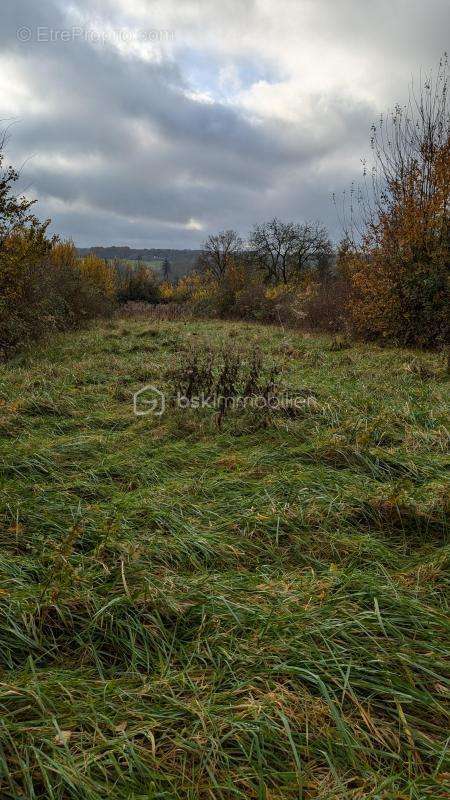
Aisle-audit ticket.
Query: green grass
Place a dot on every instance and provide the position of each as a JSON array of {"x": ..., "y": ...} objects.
[{"x": 253, "y": 612}]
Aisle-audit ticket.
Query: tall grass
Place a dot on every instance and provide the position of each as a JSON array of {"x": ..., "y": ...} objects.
[{"x": 255, "y": 611}]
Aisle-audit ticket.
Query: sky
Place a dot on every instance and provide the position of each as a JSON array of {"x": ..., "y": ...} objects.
[{"x": 154, "y": 124}]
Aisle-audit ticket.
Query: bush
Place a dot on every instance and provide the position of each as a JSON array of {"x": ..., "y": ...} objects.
[
  {"x": 227, "y": 378},
  {"x": 99, "y": 286},
  {"x": 324, "y": 307},
  {"x": 316, "y": 302},
  {"x": 26, "y": 308},
  {"x": 67, "y": 288},
  {"x": 82, "y": 288},
  {"x": 44, "y": 286},
  {"x": 406, "y": 303},
  {"x": 399, "y": 271},
  {"x": 197, "y": 291},
  {"x": 136, "y": 284}
]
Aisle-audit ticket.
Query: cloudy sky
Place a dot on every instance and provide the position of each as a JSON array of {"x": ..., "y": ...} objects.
[{"x": 155, "y": 123}]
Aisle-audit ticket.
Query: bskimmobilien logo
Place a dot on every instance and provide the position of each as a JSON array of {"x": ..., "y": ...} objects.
[{"x": 149, "y": 400}]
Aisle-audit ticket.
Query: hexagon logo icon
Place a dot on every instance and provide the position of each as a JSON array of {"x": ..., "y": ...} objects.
[{"x": 149, "y": 400}]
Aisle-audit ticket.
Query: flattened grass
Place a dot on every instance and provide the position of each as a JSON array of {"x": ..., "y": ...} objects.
[{"x": 258, "y": 611}]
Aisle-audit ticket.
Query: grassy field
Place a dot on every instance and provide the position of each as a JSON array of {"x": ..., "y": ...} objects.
[{"x": 257, "y": 611}]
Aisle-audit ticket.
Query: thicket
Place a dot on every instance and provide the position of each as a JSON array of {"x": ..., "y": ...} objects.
[
  {"x": 398, "y": 237},
  {"x": 44, "y": 286}
]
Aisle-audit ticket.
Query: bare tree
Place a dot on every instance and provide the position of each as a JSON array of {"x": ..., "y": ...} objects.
[
  {"x": 283, "y": 249},
  {"x": 325, "y": 258},
  {"x": 273, "y": 245},
  {"x": 219, "y": 252},
  {"x": 313, "y": 246}
]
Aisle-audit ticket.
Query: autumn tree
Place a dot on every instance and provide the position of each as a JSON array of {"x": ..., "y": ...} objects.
[
  {"x": 400, "y": 260},
  {"x": 44, "y": 285},
  {"x": 15, "y": 210},
  {"x": 135, "y": 283},
  {"x": 24, "y": 246}
]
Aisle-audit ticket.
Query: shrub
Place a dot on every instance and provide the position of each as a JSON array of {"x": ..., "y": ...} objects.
[
  {"x": 68, "y": 290},
  {"x": 399, "y": 272},
  {"x": 316, "y": 301},
  {"x": 228, "y": 377},
  {"x": 324, "y": 305},
  {"x": 26, "y": 308},
  {"x": 81, "y": 288},
  {"x": 251, "y": 302},
  {"x": 44, "y": 286},
  {"x": 99, "y": 286},
  {"x": 136, "y": 284},
  {"x": 196, "y": 290}
]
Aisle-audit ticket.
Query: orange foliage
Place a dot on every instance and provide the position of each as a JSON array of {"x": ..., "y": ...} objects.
[
  {"x": 399, "y": 274},
  {"x": 45, "y": 286}
]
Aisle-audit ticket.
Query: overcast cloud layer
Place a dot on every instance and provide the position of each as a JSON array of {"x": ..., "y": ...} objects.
[{"x": 155, "y": 123}]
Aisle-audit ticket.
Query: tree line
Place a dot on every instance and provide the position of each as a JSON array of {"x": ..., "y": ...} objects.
[
  {"x": 387, "y": 280},
  {"x": 280, "y": 250}
]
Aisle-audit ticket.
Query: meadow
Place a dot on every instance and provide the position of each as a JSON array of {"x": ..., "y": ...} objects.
[{"x": 257, "y": 610}]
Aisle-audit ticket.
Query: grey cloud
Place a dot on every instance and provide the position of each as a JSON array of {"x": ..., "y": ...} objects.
[{"x": 120, "y": 137}]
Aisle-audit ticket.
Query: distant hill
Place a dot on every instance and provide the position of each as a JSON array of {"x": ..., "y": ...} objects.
[{"x": 181, "y": 261}]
